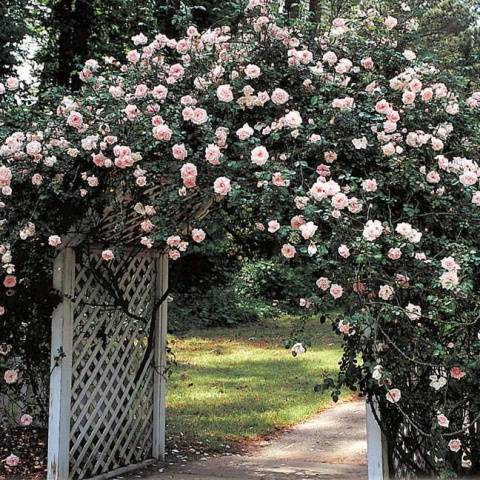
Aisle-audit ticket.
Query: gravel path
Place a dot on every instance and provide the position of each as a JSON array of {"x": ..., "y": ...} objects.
[{"x": 330, "y": 446}]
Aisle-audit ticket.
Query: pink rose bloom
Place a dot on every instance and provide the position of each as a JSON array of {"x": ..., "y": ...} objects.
[
  {"x": 367, "y": 63},
  {"x": 133, "y": 56},
  {"x": 173, "y": 241},
  {"x": 176, "y": 71},
  {"x": 293, "y": 119},
  {"x": 343, "y": 251},
  {"x": 369, "y": 185},
  {"x": 372, "y": 230},
  {"x": 26, "y": 420},
  {"x": 288, "y": 251},
  {"x": 108, "y": 255},
  {"x": 213, "y": 154},
  {"x": 33, "y": 148},
  {"x": 382, "y": 107},
  {"x": 345, "y": 328},
  {"x": 10, "y": 376},
  {"x": 188, "y": 170},
  {"x": 222, "y": 186},
  {"x": 468, "y": 178},
  {"x": 147, "y": 226},
  {"x": 157, "y": 120},
  {"x": 12, "y": 460},
  {"x": 273, "y": 226},
  {"x": 188, "y": 100},
  {"x": 252, "y": 71},
  {"x": 385, "y": 292},
  {"x": 10, "y": 281},
  {"x": 339, "y": 201},
  {"x": 393, "y": 116},
  {"x": 12, "y": 83},
  {"x": 456, "y": 373},
  {"x": 336, "y": 291},
  {"x": 455, "y": 445},
  {"x": 323, "y": 283},
  {"x": 54, "y": 240},
  {"x": 449, "y": 263},
  {"x": 199, "y": 116},
  {"x": 297, "y": 221},
  {"x": 442, "y": 420},
  {"x": 221, "y": 135},
  {"x": 159, "y": 92},
  {"x": 5, "y": 176},
  {"x": 188, "y": 182},
  {"x": 259, "y": 156},
  {"x": 427, "y": 94},
  {"x": 308, "y": 230},
  {"x": 173, "y": 254},
  {"x": 179, "y": 152},
  {"x": 390, "y": 23},
  {"x": 245, "y": 132},
  {"x": 413, "y": 312},
  {"x": 75, "y": 119},
  {"x": 433, "y": 177},
  {"x": 224, "y": 93},
  {"x": 330, "y": 58},
  {"x": 408, "y": 98},
  {"x": 330, "y": 156},
  {"x": 389, "y": 149},
  {"x": 394, "y": 253},
  {"x": 162, "y": 132},
  {"x": 404, "y": 229},
  {"x": 198, "y": 235},
  {"x": 394, "y": 395},
  {"x": 131, "y": 111},
  {"x": 280, "y": 96},
  {"x": 141, "y": 90}
]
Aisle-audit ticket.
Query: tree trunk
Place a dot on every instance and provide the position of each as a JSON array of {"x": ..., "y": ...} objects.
[
  {"x": 292, "y": 8},
  {"x": 74, "y": 19},
  {"x": 315, "y": 8}
]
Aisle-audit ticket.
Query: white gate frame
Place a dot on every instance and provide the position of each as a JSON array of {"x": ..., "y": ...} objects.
[
  {"x": 377, "y": 453},
  {"x": 61, "y": 370}
]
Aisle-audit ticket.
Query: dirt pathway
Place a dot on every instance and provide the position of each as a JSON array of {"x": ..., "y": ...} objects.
[{"x": 330, "y": 446}]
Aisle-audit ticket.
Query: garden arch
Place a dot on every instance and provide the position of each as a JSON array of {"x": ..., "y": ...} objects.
[{"x": 107, "y": 399}]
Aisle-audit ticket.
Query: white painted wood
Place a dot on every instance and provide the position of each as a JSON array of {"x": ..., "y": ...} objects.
[
  {"x": 160, "y": 360},
  {"x": 377, "y": 447},
  {"x": 61, "y": 376}
]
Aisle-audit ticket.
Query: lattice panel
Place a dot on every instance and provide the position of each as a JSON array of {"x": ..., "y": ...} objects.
[{"x": 111, "y": 413}]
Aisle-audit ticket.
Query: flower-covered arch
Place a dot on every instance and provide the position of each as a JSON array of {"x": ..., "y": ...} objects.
[{"x": 359, "y": 158}]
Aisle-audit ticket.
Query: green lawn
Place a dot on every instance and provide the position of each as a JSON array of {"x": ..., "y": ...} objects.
[{"x": 234, "y": 384}]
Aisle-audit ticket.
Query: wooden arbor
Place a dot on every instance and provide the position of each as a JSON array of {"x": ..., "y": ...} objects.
[{"x": 107, "y": 385}]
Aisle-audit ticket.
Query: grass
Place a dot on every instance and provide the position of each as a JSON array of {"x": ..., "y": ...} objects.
[{"x": 239, "y": 384}]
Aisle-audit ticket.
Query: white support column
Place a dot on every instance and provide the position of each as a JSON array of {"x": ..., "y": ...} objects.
[
  {"x": 61, "y": 367},
  {"x": 377, "y": 446},
  {"x": 160, "y": 360}
]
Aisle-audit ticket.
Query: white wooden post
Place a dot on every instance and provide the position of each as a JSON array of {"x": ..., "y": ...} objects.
[
  {"x": 377, "y": 446},
  {"x": 160, "y": 360},
  {"x": 61, "y": 369}
]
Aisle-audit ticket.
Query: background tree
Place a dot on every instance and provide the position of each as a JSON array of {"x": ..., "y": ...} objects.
[{"x": 13, "y": 28}]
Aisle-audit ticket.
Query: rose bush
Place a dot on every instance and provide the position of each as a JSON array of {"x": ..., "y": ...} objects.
[{"x": 358, "y": 157}]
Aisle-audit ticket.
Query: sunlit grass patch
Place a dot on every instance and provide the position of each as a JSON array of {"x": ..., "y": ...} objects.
[{"x": 235, "y": 384}]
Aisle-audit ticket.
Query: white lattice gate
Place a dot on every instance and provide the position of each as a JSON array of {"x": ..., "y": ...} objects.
[{"x": 107, "y": 401}]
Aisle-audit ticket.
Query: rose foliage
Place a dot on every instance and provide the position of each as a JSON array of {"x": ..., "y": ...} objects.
[{"x": 359, "y": 158}]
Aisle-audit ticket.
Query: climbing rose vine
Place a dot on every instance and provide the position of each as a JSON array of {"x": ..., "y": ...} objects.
[{"x": 355, "y": 155}]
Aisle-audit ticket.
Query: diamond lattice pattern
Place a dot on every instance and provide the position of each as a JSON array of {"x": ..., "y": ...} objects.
[{"x": 111, "y": 413}]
